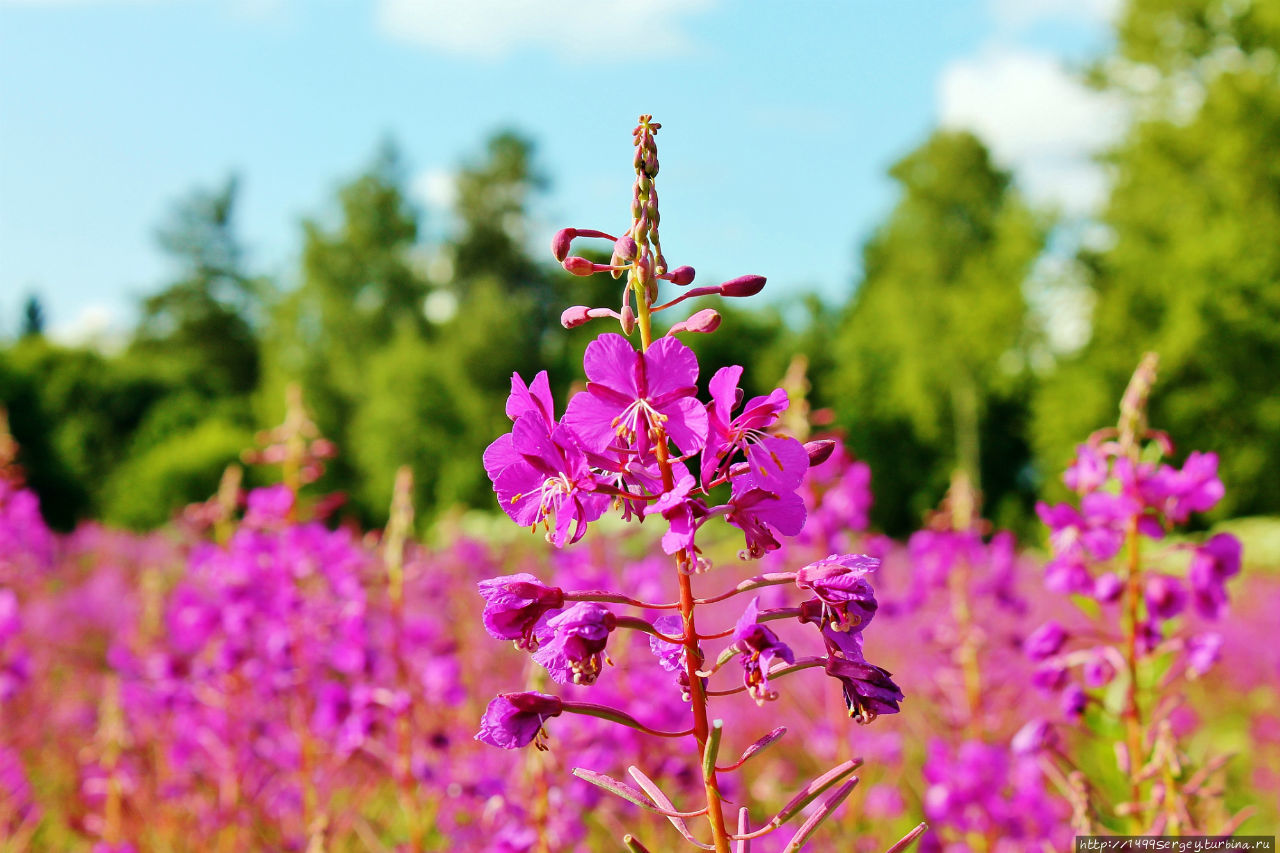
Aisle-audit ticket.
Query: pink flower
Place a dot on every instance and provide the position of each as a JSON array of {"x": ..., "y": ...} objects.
[
  {"x": 758, "y": 513},
  {"x": 632, "y": 395},
  {"x": 513, "y": 720},
  {"x": 778, "y": 463},
  {"x": 545, "y": 479},
  {"x": 760, "y": 647}
]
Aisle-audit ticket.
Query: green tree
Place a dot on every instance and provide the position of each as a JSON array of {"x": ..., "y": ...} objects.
[
  {"x": 1193, "y": 269},
  {"x": 936, "y": 321},
  {"x": 199, "y": 329},
  {"x": 32, "y": 317},
  {"x": 358, "y": 289}
]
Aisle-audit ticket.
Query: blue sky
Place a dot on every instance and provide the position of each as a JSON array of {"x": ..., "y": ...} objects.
[{"x": 779, "y": 120}]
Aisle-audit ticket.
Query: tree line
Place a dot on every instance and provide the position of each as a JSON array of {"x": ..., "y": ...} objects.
[{"x": 938, "y": 359}]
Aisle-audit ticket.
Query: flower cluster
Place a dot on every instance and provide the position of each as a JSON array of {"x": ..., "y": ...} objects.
[
  {"x": 639, "y": 440},
  {"x": 1128, "y": 501}
]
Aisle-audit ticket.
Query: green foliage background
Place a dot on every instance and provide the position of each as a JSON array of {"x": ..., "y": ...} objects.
[{"x": 934, "y": 362}]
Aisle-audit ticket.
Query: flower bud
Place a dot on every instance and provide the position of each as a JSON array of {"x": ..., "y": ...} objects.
[
  {"x": 575, "y": 316},
  {"x": 628, "y": 319},
  {"x": 743, "y": 285},
  {"x": 1044, "y": 642},
  {"x": 705, "y": 321},
  {"x": 624, "y": 249},
  {"x": 561, "y": 242},
  {"x": 578, "y": 265},
  {"x": 682, "y": 276},
  {"x": 819, "y": 451}
]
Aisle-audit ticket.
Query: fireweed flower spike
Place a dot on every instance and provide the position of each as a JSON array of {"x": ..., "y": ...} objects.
[
  {"x": 1128, "y": 501},
  {"x": 639, "y": 440}
]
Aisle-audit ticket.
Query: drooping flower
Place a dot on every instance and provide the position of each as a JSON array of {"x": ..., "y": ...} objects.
[
  {"x": 777, "y": 462},
  {"x": 1098, "y": 670},
  {"x": 869, "y": 690},
  {"x": 572, "y": 643},
  {"x": 514, "y": 605},
  {"x": 760, "y": 647},
  {"x": 514, "y": 720},
  {"x": 630, "y": 395},
  {"x": 848, "y": 602},
  {"x": 684, "y": 514},
  {"x": 1107, "y": 587},
  {"x": 1045, "y": 641},
  {"x": 1073, "y": 701}
]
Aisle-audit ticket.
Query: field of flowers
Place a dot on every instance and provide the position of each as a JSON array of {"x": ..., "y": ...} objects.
[
  {"x": 260, "y": 675},
  {"x": 259, "y": 680}
]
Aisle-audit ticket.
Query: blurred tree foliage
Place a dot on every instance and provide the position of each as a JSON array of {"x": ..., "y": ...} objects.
[
  {"x": 929, "y": 349},
  {"x": 405, "y": 344},
  {"x": 32, "y": 318},
  {"x": 1192, "y": 269},
  {"x": 199, "y": 328},
  {"x": 358, "y": 289}
]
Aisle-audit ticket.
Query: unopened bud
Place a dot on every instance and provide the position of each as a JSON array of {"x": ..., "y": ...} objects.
[
  {"x": 578, "y": 265},
  {"x": 628, "y": 319},
  {"x": 624, "y": 249},
  {"x": 682, "y": 276},
  {"x": 743, "y": 285},
  {"x": 704, "y": 321},
  {"x": 575, "y": 316},
  {"x": 561, "y": 242},
  {"x": 819, "y": 451}
]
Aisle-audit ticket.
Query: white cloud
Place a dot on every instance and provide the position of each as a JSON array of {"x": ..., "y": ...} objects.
[
  {"x": 96, "y": 326},
  {"x": 1037, "y": 119},
  {"x": 1023, "y": 13},
  {"x": 574, "y": 28},
  {"x": 436, "y": 188}
]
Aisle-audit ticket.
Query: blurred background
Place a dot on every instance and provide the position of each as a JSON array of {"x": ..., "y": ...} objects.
[{"x": 974, "y": 217}]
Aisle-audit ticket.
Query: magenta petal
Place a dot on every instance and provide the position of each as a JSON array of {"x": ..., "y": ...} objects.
[
  {"x": 535, "y": 397},
  {"x": 530, "y": 439},
  {"x": 761, "y": 412},
  {"x": 591, "y": 419},
  {"x": 778, "y": 464},
  {"x": 611, "y": 361},
  {"x": 519, "y": 489},
  {"x": 669, "y": 367},
  {"x": 498, "y": 455},
  {"x": 686, "y": 424},
  {"x": 724, "y": 392},
  {"x": 566, "y": 513},
  {"x": 680, "y": 534},
  {"x": 785, "y": 513}
]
